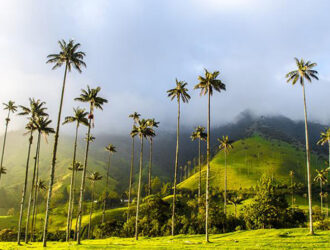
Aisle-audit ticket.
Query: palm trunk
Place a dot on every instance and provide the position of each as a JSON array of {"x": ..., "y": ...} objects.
[
  {"x": 31, "y": 191},
  {"x": 139, "y": 192},
  {"x": 91, "y": 212},
  {"x": 130, "y": 180},
  {"x": 308, "y": 167},
  {"x": 225, "y": 195},
  {"x": 70, "y": 208},
  {"x": 35, "y": 196},
  {"x": 24, "y": 191},
  {"x": 207, "y": 172},
  {"x": 200, "y": 171},
  {"x": 149, "y": 170},
  {"x": 34, "y": 219},
  {"x": 106, "y": 189},
  {"x": 4, "y": 142},
  {"x": 52, "y": 171},
  {"x": 321, "y": 196},
  {"x": 175, "y": 169},
  {"x": 292, "y": 192},
  {"x": 235, "y": 210},
  {"x": 83, "y": 180}
]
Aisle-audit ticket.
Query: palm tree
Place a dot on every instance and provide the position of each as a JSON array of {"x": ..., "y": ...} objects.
[
  {"x": 322, "y": 178},
  {"x": 152, "y": 124},
  {"x": 236, "y": 200},
  {"x": 180, "y": 92},
  {"x": 10, "y": 106},
  {"x": 70, "y": 57},
  {"x": 291, "y": 174},
  {"x": 41, "y": 124},
  {"x": 135, "y": 116},
  {"x": 225, "y": 146},
  {"x": 94, "y": 177},
  {"x": 111, "y": 149},
  {"x": 143, "y": 131},
  {"x": 206, "y": 85},
  {"x": 304, "y": 72},
  {"x": 36, "y": 109},
  {"x": 40, "y": 185},
  {"x": 79, "y": 117},
  {"x": 92, "y": 97},
  {"x": 3, "y": 170}
]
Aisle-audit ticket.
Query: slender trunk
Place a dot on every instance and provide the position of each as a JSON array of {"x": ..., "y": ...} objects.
[
  {"x": 207, "y": 172},
  {"x": 139, "y": 192},
  {"x": 308, "y": 167},
  {"x": 70, "y": 208},
  {"x": 31, "y": 191},
  {"x": 91, "y": 212},
  {"x": 34, "y": 209},
  {"x": 82, "y": 187},
  {"x": 34, "y": 220},
  {"x": 149, "y": 170},
  {"x": 24, "y": 191},
  {"x": 292, "y": 192},
  {"x": 176, "y": 169},
  {"x": 321, "y": 196},
  {"x": 4, "y": 142},
  {"x": 52, "y": 170},
  {"x": 130, "y": 179},
  {"x": 225, "y": 195},
  {"x": 200, "y": 171},
  {"x": 235, "y": 210},
  {"x": 106, "y": 189}
]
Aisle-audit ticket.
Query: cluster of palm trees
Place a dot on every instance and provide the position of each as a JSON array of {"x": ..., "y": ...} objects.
[{"x": 38, "y": 121}]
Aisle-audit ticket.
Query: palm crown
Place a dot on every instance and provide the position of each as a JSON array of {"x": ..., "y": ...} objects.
[
  {"x": 111, "y": 148},
  {"x": 199, "y": 134},
  {"x": 225, "y": 144},
  {"x": 179, "y": 92},
  {"x": 36, "y": 109},
  {"x": 142, "y": 129},
  {"x": 135, "y": 116},
  {"x": 79, "y": 116},
  {"x": 41, "y": 185},
  {"x": 321, "y": 176},
  {"x": 10, "y": 106},
  {"x": 77, "y": 166},
  {"x": 42, "y": 125},
  {"x": 209, "y": 82},
  {"x": 304, "y": 71},
  {"x": 3, "y": 170},
  {"x": 95, "y": 176},
  {"x": 68, "y": 55},
  {"x": 91, "y": 96},
  {"x": 325, "y": 137}
]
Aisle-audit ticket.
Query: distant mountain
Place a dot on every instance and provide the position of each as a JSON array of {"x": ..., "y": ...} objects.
[{"x": 274, "y": 127}]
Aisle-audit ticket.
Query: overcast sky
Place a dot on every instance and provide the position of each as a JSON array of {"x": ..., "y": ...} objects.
[{"x": 136, "y": 48}]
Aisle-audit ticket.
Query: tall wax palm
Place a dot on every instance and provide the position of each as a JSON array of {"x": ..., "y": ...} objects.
[
  {"x": 70, "y": 57},
  {"x": 321, "y": 177},
  {"x": 143, "y": 131},
  {"x": 291, "y": 174},
  {"x": 92, "y": 97},
  {"x": 41, "y": 125},
  {"x": 152, "y": 124},
  {"x": 225, "y": 145},
  {"x": 201, "y": 136},
  {"x": 207, "y": 85},
  {"x": 79, "y": 117},
  {"x": 304, "y": 72},
  {"x": 110, "y": 149},
  {"x": 94, "y": 177},
  {"x": 180, "y": 92},
  {"x": 35, "y": 109},
  {"x": 135, "y": 116},
  {"x": 10, "y": 106}
]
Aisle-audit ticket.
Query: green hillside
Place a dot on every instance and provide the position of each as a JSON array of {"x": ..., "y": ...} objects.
[{"x": 250, "y": 159}]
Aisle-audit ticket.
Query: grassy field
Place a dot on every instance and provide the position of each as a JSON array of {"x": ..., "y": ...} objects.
[{"x": 257, "y": 239}]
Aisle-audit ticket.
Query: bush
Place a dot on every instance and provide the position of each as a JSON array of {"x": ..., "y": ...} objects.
[{"x": 8, "y": 235}]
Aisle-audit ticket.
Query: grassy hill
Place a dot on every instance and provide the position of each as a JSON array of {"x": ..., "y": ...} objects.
[
  {"x": 251, "y": 158},
  {"x": 256, "y": 239}
]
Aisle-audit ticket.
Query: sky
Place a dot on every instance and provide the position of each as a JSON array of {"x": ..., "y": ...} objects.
[{"x": 135, "y": 49}]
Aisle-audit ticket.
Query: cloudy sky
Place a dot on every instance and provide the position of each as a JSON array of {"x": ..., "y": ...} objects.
[{"x": 136, "y": 48}]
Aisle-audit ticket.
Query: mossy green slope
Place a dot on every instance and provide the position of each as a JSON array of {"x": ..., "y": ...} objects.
[{"x": 250, "y": 159}]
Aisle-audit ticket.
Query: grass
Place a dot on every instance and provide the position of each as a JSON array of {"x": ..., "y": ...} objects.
[{"x": 256, "y": 239}]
